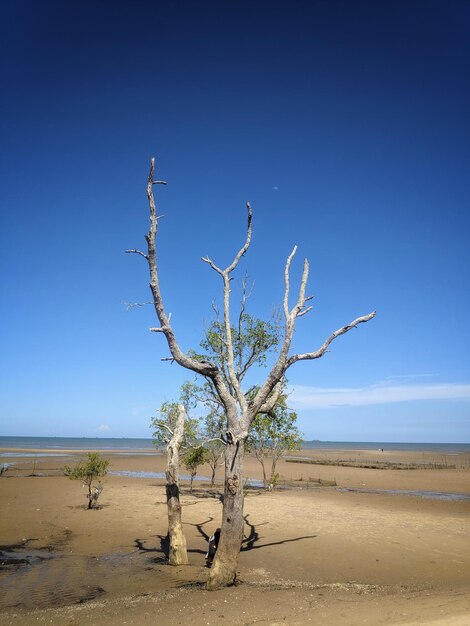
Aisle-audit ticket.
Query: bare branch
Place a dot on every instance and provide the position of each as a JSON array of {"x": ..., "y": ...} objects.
[
  {"x": 321, "y": 351},
  {"x": 234, "y": 383},
  {"x": 156, "y": 330},
  {"x": 245, "y": 297},
  {"x": 206, "y": 259},
  {"x": 287, "y": 281},
  {"x": 303, "y": 284},
  {"x": 246, "y": 245},
  {"x": 249, "y": 362},
  {"x": 132, "y": 305},
  {"x": 216, "y": 310},
  {"x": 163, "y": 425},
  {"x": 305, "y": 311},
  {"x": 204, "y": 368},
  {"x": 137, "y": 252},
  {"x": 206, "y": 441}
]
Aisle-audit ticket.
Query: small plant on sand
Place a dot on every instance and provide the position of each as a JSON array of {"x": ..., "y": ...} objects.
[
  {"x": 89, "y": 470},
  {"x": 192, "y": 459}
]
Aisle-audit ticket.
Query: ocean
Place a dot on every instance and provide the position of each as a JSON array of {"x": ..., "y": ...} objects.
[{"x": 146, "y": 445}]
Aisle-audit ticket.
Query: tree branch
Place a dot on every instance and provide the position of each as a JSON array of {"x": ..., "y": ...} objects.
[
  {"x": 287, "y": 282},
  {"x": 137, "y": 252},
  {"x": 204, "y": 368},
  {"x": 133, "y": 305},
  {"x": 235, "y": 384},
  {"x": 246, "y": 245},
  {"x": 206, "y": 259},
  {"x": 303, "y": 284},
  {"x": 270, "y": 403},
  {"x": 163, "y": 425},
  {"x": 321, "y": 351}
]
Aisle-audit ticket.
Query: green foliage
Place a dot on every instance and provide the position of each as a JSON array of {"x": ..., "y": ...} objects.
[
  {"x": 168, "y": 414},
  {"x": 192, "y": 459},
  {"x": 252, "y": 340},
  {"x": 88, "y": 471},
  {"x": 272, "y": 435}
]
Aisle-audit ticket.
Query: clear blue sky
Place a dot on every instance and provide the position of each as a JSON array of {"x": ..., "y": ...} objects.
[{"x": 346, "y": 125}]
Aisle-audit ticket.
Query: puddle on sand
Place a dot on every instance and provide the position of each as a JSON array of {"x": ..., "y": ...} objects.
[
  {"x": 131, "y": 474},
  {"x": 31, "y": 579},
  {"x": 39, "y": 578},
  {"x": 430, "y": 495}
]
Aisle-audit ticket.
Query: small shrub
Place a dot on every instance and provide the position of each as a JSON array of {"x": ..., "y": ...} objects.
[{"x": 88, "y": 471}]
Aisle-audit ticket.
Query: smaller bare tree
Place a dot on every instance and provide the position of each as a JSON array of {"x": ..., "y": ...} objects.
[{"x": 174, "y": 429}]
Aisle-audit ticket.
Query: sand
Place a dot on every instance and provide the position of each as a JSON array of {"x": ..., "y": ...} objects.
[{"x": 344, "y": 555}]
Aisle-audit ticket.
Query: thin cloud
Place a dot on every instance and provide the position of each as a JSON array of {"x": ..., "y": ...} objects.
[
  {"x": 304, "y": 397},
  {"x": 104, "y": 428}
]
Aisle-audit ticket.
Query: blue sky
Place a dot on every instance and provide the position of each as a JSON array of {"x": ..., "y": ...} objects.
[{"x": 346, "y": 126}]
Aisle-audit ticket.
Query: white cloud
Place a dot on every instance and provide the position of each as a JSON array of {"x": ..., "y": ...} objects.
[
  {"x": 304, "y": 397},
  {"x": 104, "y": 428}
]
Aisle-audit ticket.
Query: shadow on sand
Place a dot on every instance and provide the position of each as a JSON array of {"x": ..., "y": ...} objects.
[{"x": 249, "y": 542}]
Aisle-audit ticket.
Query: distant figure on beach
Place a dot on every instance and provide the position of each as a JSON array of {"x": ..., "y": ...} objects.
[{"x": 212, "y": 548}]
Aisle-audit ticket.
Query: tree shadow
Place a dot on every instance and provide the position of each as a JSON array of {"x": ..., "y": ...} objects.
[
  {"x": 249, "y": 542},
  {"x": 202, "y": 493},
  {"x": 200, "y": 529},
  {"x": 164, "y": 548}
]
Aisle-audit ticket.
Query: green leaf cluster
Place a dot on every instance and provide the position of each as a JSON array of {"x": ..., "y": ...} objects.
[
  {"x": 88, "y": 470},
  {"x": 252, "y": 340},
  {"x": 275, "y": 433},
  {"x": 193, "y": 458},
  {"x": 168, "y": 414}
]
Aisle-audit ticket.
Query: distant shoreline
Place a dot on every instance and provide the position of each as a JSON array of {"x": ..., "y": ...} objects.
[{"x": 145, "y": 445}]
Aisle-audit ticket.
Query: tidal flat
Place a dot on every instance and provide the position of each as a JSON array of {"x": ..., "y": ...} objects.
[{"x": 346, "y": 554}]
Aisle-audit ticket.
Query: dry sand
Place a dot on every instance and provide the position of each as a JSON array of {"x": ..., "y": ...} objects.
[{"x": 311, "y": 554}]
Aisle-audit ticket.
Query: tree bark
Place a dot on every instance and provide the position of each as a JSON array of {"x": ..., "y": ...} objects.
[
  {"x": 224, "y": 568},
  {"x": 265, "y": 482},
  {"x": 273, "y": 468},
  {"x": 177, "y": 551}
]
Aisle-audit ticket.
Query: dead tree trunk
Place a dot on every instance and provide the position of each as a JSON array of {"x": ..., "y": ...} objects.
[
  {"x": 177, "y": 551},
  {"x": 224, "y": 567},
  {"x": 227, "y": 379}
]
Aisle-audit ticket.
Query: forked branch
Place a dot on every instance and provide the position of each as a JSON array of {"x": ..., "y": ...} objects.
[
  {"x": 234, "y": 381},
  {"x": 283, "y": 362},
  {"x": 324, "y": 348}
]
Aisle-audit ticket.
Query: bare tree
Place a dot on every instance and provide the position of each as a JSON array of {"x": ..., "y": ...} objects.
[
  {"x": 239, "y": 411},
  {"x": 171, "y": 431}
]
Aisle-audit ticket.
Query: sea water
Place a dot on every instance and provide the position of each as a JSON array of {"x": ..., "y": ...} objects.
[{"x": 146, "y": 445}]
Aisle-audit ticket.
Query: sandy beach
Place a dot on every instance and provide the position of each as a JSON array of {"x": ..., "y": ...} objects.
[{"x": 360, "y": 552}]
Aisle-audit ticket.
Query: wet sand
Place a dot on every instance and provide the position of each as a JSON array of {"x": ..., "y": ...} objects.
[{"x": 311, "y": 554}]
